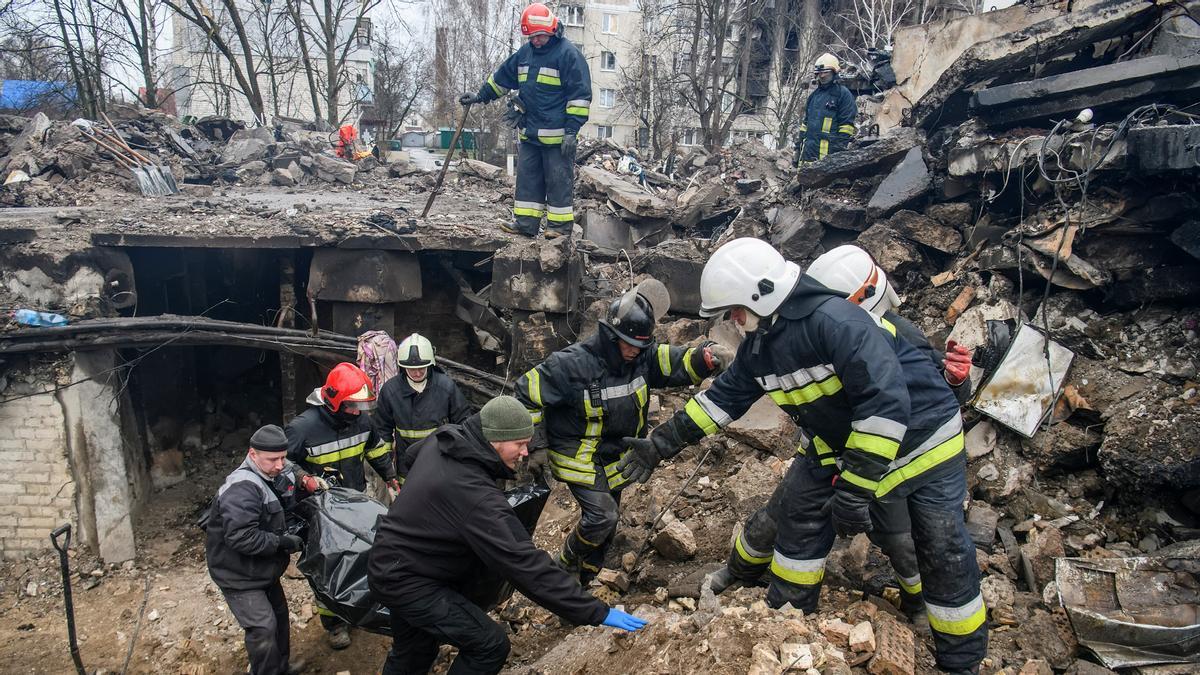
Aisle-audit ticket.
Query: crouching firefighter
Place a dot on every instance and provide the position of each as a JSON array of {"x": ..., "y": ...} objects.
[
  {"x": 247, "y": 545},
  {"x": 590, "y": 396},
  {"x": 872, "y": 403},
  {"x": 452, "y": 525},
  {"x": 413, "y": 406},
  {"x": 554, "y": 96},
  {"x": 852, "y": 273},
  {"x": 332, "y": 437}
]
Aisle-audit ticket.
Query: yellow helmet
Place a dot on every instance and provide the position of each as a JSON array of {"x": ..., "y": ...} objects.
[{"x": 827, "y": 61}]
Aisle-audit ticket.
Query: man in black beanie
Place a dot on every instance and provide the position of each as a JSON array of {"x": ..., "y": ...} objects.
[
  {"x": 451, "y": 524},
  {"x": 248, "y": 546}
]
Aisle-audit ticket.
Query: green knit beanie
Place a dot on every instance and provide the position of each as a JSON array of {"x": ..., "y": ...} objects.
[{"x": 505, "y": 419}]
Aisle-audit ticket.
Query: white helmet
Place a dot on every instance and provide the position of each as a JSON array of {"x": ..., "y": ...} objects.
[
  {"x": 827, "y": 61},
  {"x": 850, "y": 271},
  {"x": 415, "y": 352},
  {"x": 748, "y": 273}
]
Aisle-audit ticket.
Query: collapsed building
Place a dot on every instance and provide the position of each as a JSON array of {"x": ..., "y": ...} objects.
[{"x": 978, "y": 183}]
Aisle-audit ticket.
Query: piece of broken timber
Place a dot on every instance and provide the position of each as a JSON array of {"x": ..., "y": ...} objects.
[{"x": 446, "y": 162}]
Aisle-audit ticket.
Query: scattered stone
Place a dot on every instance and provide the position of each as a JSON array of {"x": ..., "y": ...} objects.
[
  {"x": 1036, "y": 667},
  {"x": 795, "y": 656},
  {"x": 614, "y": 579},
  {"x": 282, "y": 178},
  {"x": 908, "y": 181},
  {"x": 998, "y": 592},
  {"x": 763, "y": 660},
  {"x": 862, "y": 637},
  {"x": 31, "y": 589},
  {"x": 153, "y": 615},
  {"x": 629, "y": 561},
  {"x": 1081, "y": 667},
  {"x": 836, "y": 631},
  {"x": 766, "y": 427},
  {"x": 748, "y": 185},
  {"x": 474, "y": 167},
  {"x": 1041, "y": 550},
  {"x": 675, "y": 541},
  {"x": 980, "y": 440},
  {"x": 333, "y": 170},
  {"x": 981, "y": 524},
  {"x": 889, "y": 249}
]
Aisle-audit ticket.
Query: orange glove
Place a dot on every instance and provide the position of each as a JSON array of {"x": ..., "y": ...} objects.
[
  {"x": 394, "y": 484},
  {"x": 957, "y": 364},
  {"x": 312, "y": 484}
]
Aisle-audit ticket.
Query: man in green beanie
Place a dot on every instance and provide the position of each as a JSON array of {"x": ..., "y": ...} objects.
[{"x": 450, "y": 525}]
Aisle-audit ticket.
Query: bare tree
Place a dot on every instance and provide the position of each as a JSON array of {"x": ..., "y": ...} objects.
[
  {"x": 334, "y": 30},
  {"x": 870, "y": 24},
  {"x": 226, "y": 30},
  {"x": 797, "y": 37},
  {"x": 139, "y": 30},
  {"x": 401, "y": 79}
]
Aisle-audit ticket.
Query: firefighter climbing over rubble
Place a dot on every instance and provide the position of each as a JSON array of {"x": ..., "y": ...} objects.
[
  {"x": 554, "y": 94},
  {"x": 828, "y": 116},
  {"x": 592, "y": 394},
  {"x": 415, "y": 404},
  {"x": 851, "y": 272},
  {"x": 247, "y": 545},
  {"x": 332, "y": 438},
  {"x": 883, "y": 425},
  {"x": 451, "y": 527}
]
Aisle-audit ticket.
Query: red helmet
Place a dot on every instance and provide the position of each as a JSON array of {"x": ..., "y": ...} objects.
[
  {"x": 537, "y": 18},
  {"x": 348, "y": 389}
]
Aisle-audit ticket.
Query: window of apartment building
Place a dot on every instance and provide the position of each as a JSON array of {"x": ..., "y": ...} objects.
[
  {"x": 608, "y": 24},
  {"x": 362, "y": 33},
  {"x": 731, "y": 31},
  {"x": 727, "y": 101},
  {"x": 608, "y": 61},
  {"x": 572, "y": 15},
  {"x": 608, "y": 98},
  {"x": 603, "y": 131},
  {"x": 689, "y": 137},
  {"x": 643, "y": 137}
]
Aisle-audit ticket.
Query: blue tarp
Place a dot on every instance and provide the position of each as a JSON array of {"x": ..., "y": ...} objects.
[{"x": 25, "y": 94}]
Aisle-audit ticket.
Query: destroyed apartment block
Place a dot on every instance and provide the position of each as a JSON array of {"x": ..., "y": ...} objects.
[{"x": 1063, "y": 251}]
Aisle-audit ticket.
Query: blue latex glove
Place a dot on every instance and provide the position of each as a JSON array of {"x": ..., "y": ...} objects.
[{"x": 618, "y": 619}]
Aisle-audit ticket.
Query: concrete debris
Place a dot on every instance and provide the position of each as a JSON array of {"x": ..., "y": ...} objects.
[
  {"x": 862, "y": 637},
  {"x": 764, "y": 660},
  {"x": 856, "y": 162},
  {"x": 908, "y": 181},
  {"x": 766, "y": 427},
  {"x": 675, "y": 541},
  {"x": 894, "y": 653},
  {"x": 474, "y": 167}
]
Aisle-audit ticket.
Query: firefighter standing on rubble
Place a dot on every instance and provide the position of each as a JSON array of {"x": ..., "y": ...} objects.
[
  {"x": 592, "y": 394},
  {"x": 554, "y": 94},
  {"x": 247, "y": 545},
  {"x": 873, "y": 404},
  {"x": 452, "y": 526},
  {"x": 332, "y": 438},
  {"x": 828, "y": 116},
  {"x": 414, "y": 405},
  {"x": 851, "y": 272}
]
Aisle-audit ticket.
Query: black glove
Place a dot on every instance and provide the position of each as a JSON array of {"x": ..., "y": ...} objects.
[
  {"x": 290, "y": 543},
  {"x": 641, "y": 460},
  {"x": 468, "y": 99},
  {"x": 851, "y": 513},
  {"x": 569, "y": 143}
]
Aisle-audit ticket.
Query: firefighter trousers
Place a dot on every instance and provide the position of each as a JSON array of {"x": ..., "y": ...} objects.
[
  {"x": 945, "y": 556},
  {"x": 545, "y": 187},
  {"x": 587, "y": 544},
  {"x": 751, "y": 554}
]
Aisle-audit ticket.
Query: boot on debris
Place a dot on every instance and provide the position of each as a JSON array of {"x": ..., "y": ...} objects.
[
  {"x": 719, "y": 580},
  {"x": 339, "y": 636}
]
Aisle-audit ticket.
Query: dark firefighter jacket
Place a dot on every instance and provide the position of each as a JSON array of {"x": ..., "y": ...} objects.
[
  {"x": 405, "y": 416},
  {"x": 554, "y": 85},
  {"x": 319, "y": 440},
  {"x": 243, "y": 528},
  {"x": 917, "y": 338},
  {"x": 875, "y": 406},
  {"x": 451, "y": 524},
  {"x": 589, "y": 399},
  {"x": 828, "y": 121}
]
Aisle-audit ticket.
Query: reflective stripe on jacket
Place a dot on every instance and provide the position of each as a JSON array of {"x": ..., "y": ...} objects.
[
  {"x": 317, "y": 441},
  {"x": 588, "y": 400},
  {"x": 553, "y": 83},
  {"x": 870, "y": 401},
  {"x": 828, "y": 121}
]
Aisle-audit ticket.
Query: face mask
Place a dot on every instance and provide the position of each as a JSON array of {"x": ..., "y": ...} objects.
[
  {"x": 417, "y": 386},
  {"x": 750, "y": 326}
]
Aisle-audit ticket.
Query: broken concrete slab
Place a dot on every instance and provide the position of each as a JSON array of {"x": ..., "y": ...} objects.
[
  {"x": 677, "y": 264},
  {"x": 1147, "y": 450},
  {"x": 907, "y": 182},
  {"x": 952, "y": 214},
  {"x": 894, "y": 651},
  {"x": 747, "y": 186},
  {"x": 863, "y": 161},
  {"x": 624, "y": 194},
  {"x": 1165, "y": 148},
  {"x": 795, "y": 234},
  {"x": 675, "y": 541},
  {"x": 926, "y": 231},
  {"x": 521, "y": 281},
  {"x": 697, "y": 201},
  {"x": 941, "y": 59},
  {"x": 34, "y": 129},
  {"x": 1164, "y": 79},
  {"x": 838, "y": 212},
  {"x": 474, "y": 167},
  {"x": 766, "y": 427},
  {"x": 331, "y": 169},
  {"x": 981, "y": 525},
  {"x": 375, "y": 277},
  {"x": 1187, "y": 237},
  {"x": 241, "y": 150},
  {"x": 889, "y": 249},
  {"x": 609, "y": 233}
]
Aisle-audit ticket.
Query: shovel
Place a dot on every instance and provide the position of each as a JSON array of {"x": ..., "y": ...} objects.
[
  {"x": 158, "y": 177},
  {"x": 61, "y": 539},
  {"x": 146, "y": 183}
]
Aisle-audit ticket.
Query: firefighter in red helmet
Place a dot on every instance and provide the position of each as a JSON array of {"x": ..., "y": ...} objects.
[{"x": 333, "y": 437}]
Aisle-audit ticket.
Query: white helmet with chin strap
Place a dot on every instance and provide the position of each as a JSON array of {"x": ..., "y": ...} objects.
[
  {"x": 748, "y": 273},
  {"x": 849, "y": 270}
]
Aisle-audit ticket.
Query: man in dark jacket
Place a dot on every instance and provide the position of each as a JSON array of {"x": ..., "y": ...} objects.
[
  {"x": 554, "y": 88},
  {"x": 828, "y": 116},
  {"x": 451, "y": 525},
  {"x": 591, "y": 395},
  {"x": 334, "y": 436},
  {"x": 247, "y": 545},
  {"x": 883, "y": 424},
  {"x": 417, "y": 401}
]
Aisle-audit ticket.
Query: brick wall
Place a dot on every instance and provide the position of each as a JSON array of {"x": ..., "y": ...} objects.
[{"x": 37, "y": 494}]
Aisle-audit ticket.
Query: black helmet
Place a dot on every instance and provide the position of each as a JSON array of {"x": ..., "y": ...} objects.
[{"x": 632, "y": 318}]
